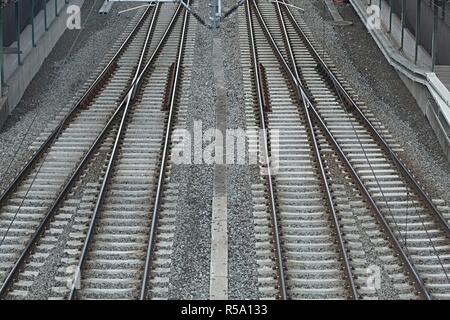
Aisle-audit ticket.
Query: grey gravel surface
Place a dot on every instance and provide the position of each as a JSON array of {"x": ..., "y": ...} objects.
[
  {"x": 192, "y": 243},
  {"x": 376, "y": 83},
  {"x": 242, "y": 263},
  {"x": 75, "y": 57},
  {"x": 191, "y": 262}
]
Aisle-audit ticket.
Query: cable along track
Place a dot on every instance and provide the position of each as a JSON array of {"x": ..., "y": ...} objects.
[{"x": 416, "y": 229}]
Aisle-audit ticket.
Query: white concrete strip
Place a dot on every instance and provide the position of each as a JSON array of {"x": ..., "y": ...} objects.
[
  {"x": 219, "y": 250},
  {"x": 218, "y": 289}
]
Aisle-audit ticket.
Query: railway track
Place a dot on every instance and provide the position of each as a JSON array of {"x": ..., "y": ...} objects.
[
  {"x": 336, "y": 207},
  {"x": 330, "y": 145},
  {"x": 122, "y": 232},
  {"x": 29, "y": 201},
  {"x": 125, "y": 161}
]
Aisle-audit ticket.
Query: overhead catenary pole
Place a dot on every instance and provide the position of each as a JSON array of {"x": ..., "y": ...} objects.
[
  {"x": 2, "y": 79},
  {"x": 215, "y": 11},
  {"x": 418, "y": 14},
  {"x": 403, "y": 14},
  {"x": 17, "y": 20},
  {"x": 390, "y": 16},
  {"x": 33, "y": 37},
  {"x": 434, "y": 35},
  {"x": 45, "y": 15}
]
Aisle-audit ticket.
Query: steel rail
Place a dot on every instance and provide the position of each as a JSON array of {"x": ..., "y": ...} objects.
[
  {"x": 167, "y": 140},
  {"x": 84, "y": 251},
  {"x": 129, "y": 100},
  {"x": 412, "y": 272},
  {"x": 350, "y": 102},
  {"x": 318, "y": 157},
  {"x": 272, "y": 202},
  {"x": 15, "y": 270},
  {"x": 151, "y": 29},
  {"x": 87, "y": 96}
]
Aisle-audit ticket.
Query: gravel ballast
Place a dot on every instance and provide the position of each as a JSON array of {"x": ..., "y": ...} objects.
[
  {"x": 241, "y": 252},
  {"x": 192, "y": 243}
]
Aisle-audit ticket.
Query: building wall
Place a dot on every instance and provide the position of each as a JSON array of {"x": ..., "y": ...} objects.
[
  {"x": 9, "y": 18},
  {"x": 17, "y": 75},
  {"x": 443, "y": 36}
]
